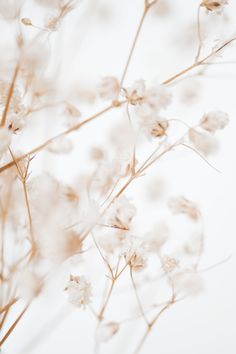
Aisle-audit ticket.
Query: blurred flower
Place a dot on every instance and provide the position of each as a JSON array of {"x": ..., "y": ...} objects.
[
  {"x": 213, "y": 121},
  {"x": 134, "y": 253},
  {"x": 79, "y": 291},
  {"x": 121, "y": 213},
  {"x": 169, "y": 264},
  {"x": 149, "y": 101},
  {"x": 181, "y": 205},
  {"x": 105, "y": 331},
  {"x": 212, "y": 5}
]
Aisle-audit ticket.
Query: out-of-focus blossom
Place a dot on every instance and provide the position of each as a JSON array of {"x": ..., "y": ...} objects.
[
  {"x": 121, "y": 213},
  {"x": 105, "y": 331},
  {"x": 79, "y": 291},
  {"x": 169, "y": 264},
  {"x": 182, "y": 205},
  {"x": 213, "y": 121},
  {"x": 216, "y": 5}
]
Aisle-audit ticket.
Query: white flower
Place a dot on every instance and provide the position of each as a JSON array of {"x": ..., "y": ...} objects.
[
  {"x": 5, "y": 139},
  {"x": 153, "y": 126},
  {"x": 121, "y": 213},
  {"x": 181, "y": 205},
  {"x": 79, "y": 291},
  {"x": 134, "y": 253},
  {"x": 109, "y": 88},
  {"x": 106, "y": 331},
  {"x": 149, "y": 101},
  {"x": 169, "y": 264},
  {"x": 214, "y": 5},
  {"x": 213, "y": 121}
]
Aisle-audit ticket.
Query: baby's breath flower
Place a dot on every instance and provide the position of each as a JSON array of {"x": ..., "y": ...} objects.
[
  {"x": 213, "y": 121},
  {"x": 105, "y": 331},
  {"x": 149, "y": 101},
  {"x": 212, "y": 5},
  {"x": 169, "y": 264},
  {"x": 134, "y": 253},
  {"x": 153, "y": 126},
  {"x": 181, "y": 205},
  {"x": 121, "y": 213},
  {"x": 79, "y": 291},
  {"x": 109, "y": 88}
]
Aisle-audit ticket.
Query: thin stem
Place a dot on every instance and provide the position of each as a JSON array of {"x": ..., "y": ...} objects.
[
  {"x": 198, "y": 63},
  {"x": 66, "y": 132},
  {"x": 101, "y": 313},
  {"x": 151, "y": 324},
  {"x": 138, "y": 298},
  {"x": 9, "y": 95},
  {"x": 199, "y": 34},
  {"x": 133, "y": 45},
  {"x": 12, "y": 327}
]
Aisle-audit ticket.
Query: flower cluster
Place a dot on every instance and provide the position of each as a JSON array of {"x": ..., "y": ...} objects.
[{"x": 79, "y": 291}]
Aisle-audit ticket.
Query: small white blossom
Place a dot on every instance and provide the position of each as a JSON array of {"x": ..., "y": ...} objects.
[
  {"x": 169, "y": 264},
  {"x": 105, "y": 331},
  {"x": 149, "y": 101},
  {"x": 181, "y": 205},
  {"x": 79, "y": 291},
  {"x": 121, "y": 213},
  {"x": 213, "y": 121},
  {"x": 134, "y": 253},
  {"x": 152, "y": 126}
]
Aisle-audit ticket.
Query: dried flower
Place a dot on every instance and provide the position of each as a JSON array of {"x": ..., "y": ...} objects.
[
  {"x": 169, "y": 264},
  {"x": 213, "y": 121},
  {"x": 105, "y": 331},
  {"x": 181, "y": 205},
  {"x": 121, "y": 213},
  {"x": 134, "y": 253},
  {"x": 149, "y": 101},
  {"x": 212, "y": 5},
  {"x": 79, "y": 291},
  {"x": 26, "y": 21}
]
